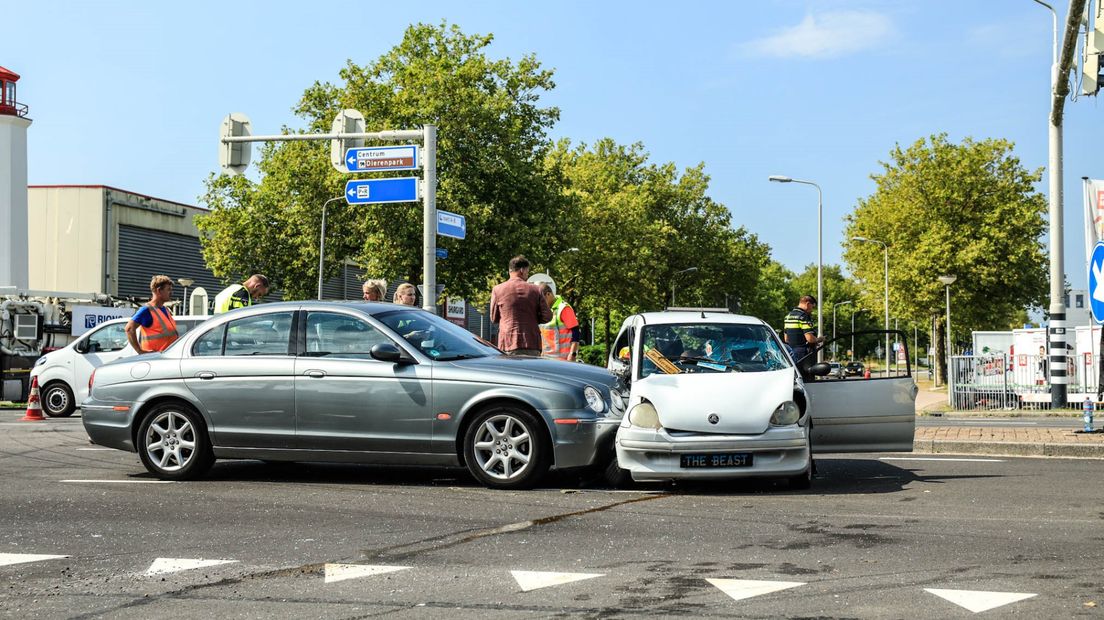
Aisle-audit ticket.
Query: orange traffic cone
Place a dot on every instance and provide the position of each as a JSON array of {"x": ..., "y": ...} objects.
[{"x": 34, "y": 404}]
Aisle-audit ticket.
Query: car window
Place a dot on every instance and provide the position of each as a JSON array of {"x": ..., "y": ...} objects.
[
  {"x": 710, "y": 347},
  {"x": 434, "y": 336},
  {"x": 210, "y": 343},
  {"x": 263, "y": 334},
  {"x": 331, "y": 334},
  {"x": 621, "y": 342},
  {"x": 110, "y": 338}
]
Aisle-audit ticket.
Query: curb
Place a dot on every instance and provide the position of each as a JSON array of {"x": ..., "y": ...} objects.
[{"x": 1007, "y": 448}]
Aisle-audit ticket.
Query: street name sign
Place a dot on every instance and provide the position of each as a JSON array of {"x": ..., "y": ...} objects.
[
  {"x": 451, "y": 225},
  {"x": 442, "y": 253},
  {"x": 1096, "y": 282},
  {"x": 381, "y": 158},
  {"x": 377, "y": 191}
]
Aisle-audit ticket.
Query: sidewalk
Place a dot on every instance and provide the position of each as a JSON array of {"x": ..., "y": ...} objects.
[{"x": 999, "y": 441}]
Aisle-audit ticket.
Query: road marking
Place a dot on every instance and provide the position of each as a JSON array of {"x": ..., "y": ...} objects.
[
  {"x": 978, "y": 601},
  {"x": 341, "y": 572},
  {"x": 7, "y": 559},
  {"x": 740, "y": 589},
  {"x": 124, "y": 481},
  {"x": 918, "y": 458},
  {"x": 94, "y": 449},
  {"x": 532, "y": 580},
  {"x": 161, "y": 566}
]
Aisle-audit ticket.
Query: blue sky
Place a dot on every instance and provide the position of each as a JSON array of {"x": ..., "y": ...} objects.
[{"x": 130, "y": 94}]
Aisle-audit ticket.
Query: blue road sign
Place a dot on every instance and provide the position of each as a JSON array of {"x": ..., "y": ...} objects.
[
  {"x": 442, "y": 253},
  {"x": 375, "y": 191},
  {"x": 1096, "y": 282},
  {"x": 451, "y": 225},
  {"x": 379, "y": 158}
]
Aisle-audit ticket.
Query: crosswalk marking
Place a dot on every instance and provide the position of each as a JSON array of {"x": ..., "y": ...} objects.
[
  {"x": 979, "y": 600},
  {"x": 341, "y": 572},
  {"x": 740, "y": 589},
  {"x": 162, "y": 566},
  {"x": 533, "y": 580},
  {"x": 20, "y": 558}
]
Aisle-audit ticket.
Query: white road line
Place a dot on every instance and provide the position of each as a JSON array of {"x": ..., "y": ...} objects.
[
  {"x": 533, "y": 580},
  {"x": 978, "y": 601},
  {"x": 161, "y": 566},
  {"x": 19, "y": 558},
  {"x": 341, "y": 572},
  {"x": 95, "y": 449},
  {"x": 918, "y": 458},
  {"x": 123, "y": 481},
  {"x": 740, "y": 589}
]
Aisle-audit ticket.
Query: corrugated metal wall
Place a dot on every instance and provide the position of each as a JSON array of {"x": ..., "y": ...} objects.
[{"x": 144, "y": 253}]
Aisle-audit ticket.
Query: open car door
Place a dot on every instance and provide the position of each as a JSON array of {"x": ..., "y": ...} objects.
[{"x": 861, "y": 414}]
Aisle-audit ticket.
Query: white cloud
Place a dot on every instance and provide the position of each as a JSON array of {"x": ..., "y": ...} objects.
[{"x": 825, "y": 35}]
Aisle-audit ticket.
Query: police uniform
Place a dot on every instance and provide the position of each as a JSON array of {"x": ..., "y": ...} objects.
[
  {"x": 231, "y": 297},
  {"x": 797, "y": 324}
]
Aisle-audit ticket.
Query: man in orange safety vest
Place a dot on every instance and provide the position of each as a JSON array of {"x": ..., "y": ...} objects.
[{"x": 560, "y": 336}]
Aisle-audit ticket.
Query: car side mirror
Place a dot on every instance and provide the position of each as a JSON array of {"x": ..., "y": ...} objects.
[
  {"x": 387, "y": 352},
  {"x": 81, "y": 347},
  {"x": 92, "y": 347},
  {"x": 820, "y": 369},
  {"x": 623, "y": 372}
]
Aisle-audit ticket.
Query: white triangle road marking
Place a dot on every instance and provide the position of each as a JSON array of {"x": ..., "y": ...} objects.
[
  {"x": 978, "y": 600},
  {"x": 19, "y": 558},
  {"x": 740, "y": 589},
  {"x": 162, "y": 566},
  {"x": 533, "y": 580},
  {"x": 341, "y": 572}
]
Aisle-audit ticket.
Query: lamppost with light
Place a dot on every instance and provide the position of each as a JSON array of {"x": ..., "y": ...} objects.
[
  {"x": 885, "y": 249},
  {"x": 322, "y": 244},
  {"x": 834, "y": 306},
  {"x": 947, "y": 281},
  {"x": 777, "y": 178},
  {"x": 186, "y": 282},
  {"x": 687, "y": 270}
]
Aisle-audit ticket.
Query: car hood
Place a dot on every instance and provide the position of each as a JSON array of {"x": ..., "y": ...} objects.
[
  {"x": 742, "y": 401},
  {"x": 533, "y": 370}
]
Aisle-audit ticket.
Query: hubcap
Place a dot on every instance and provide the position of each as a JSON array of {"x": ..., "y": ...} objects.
[
  {"x": 503, "y": 447},
  {"x": 170, "y": 441},
  {"x": 56, "y": 400}
]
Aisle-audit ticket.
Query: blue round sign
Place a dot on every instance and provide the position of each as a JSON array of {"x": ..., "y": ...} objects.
[{"x": 1096, "y": 282}]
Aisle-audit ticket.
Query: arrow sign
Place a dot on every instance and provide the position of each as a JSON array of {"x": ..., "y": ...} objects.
[
  {"x": 378, "y": 191},
  {"x": 451, "y": 225},
  {"x": 442, "y": 253},
  {"x": 380, "y": 158},
  {"x": 1096, "y": 282}
]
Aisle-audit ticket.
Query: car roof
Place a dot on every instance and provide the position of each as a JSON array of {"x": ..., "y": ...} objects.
[{"x": 670, "y": 317}]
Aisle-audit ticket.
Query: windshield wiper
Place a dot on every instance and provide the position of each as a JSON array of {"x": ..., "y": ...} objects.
[{"x": 459, "y": 356}]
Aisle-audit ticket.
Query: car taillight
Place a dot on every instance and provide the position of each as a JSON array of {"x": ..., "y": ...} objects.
[{"x": 91, "y": 378}]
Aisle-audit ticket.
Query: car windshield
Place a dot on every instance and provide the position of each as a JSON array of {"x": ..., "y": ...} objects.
[
  {"x": 435, "y": 337},
  {"x": 710, "y": 347}
]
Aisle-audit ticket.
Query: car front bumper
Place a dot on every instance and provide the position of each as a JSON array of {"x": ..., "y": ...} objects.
[
  {"x": 579, "y": 439},
  {"x": 651, "y": 455}
]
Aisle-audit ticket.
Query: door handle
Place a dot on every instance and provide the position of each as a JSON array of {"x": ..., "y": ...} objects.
[
  {"x": 315, "y": 374},
  {"x": 205, "y": 375}
]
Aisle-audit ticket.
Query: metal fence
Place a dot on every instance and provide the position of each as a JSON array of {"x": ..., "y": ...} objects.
[{"x": 1013, "y": 382}]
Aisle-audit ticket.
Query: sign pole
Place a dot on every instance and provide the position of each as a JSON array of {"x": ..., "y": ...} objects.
[{"x": 429, "y": 218}]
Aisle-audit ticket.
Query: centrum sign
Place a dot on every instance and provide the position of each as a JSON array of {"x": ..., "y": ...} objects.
[{"x": 381, "y": 158}]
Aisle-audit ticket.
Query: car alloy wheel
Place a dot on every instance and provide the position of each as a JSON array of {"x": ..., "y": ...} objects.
[
  {"x": 173, "y": 443},
  {"x": 57, "y": 400},
  {"x": 504, "y": 448}
]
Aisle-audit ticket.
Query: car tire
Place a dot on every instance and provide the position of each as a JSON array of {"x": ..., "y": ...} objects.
[
  {"x": 613, "y": 475},
  {"x": 505, "y": 448},
  {"x": 173, "y": 443},
  {"x": 804, "y": 480},
  {"x": 57, "y": 400}
]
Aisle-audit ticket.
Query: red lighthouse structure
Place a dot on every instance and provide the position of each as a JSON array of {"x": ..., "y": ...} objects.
[{"x": 8, "y": 103}]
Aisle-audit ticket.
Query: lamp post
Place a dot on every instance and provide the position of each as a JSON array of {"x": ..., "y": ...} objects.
[
  {"x": 834, "y": 306},
  {"x": 186, "y": 282},
  {"x": 885, "y": 249},
  {"x": 947, "y": 282},
  {"x": 687, "y": 270},
  {"x": 322, "y": 244},
  {"x": 853, "y": 334},
  {"x": 777, "y": 178}
]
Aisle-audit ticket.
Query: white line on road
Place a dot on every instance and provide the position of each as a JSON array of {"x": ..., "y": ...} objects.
[
  {"x": 95, "y": 449},
  {"x": 124, "y": 481},
  {"x": 917, "y": 458}
]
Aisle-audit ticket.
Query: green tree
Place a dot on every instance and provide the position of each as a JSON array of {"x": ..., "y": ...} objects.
[
  {"x": 968, "y": 210},
  {"x": 490, "y": 164}
]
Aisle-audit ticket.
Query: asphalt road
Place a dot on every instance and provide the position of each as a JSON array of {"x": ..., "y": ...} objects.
[{"x": 872, "y": 539}]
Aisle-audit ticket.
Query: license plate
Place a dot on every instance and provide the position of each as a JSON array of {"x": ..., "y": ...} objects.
[{"x": 697, "y": 461}]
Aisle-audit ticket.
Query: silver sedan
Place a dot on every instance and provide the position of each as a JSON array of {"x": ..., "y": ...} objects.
[{"x": 352, "y": 382}]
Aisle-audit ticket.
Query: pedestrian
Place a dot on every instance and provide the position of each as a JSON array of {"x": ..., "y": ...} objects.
[
  {"x": 375, "y": 290},
  {"x": 406, "y": 294},
  {"x": 519, "y": 308},
  {"x": 799, "y": 333},
  {"x": 560, "y": 336},
  {"x": 153, "y": 327},
  {"x": 241, "y": 295}
]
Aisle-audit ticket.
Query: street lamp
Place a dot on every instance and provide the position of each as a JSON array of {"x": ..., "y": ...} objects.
[
  {"x": 885, "y": 248},
  {"x": 186, "y": 282},
  {"x": 947, "y": 282},
  {"x": 777, "y": 178},
  {"x": 834, "y": 306},
  {"x": 687, "y": 270},
  {"x": 322, "y": 244}
]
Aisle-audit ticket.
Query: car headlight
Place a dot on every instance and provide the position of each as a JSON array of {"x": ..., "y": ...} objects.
[
  {"x": 40, "y": 361},
  {"x": 787, "y": 413},
  {"x": 644, "y": 415},
  {"x": 594, "y": 399}
]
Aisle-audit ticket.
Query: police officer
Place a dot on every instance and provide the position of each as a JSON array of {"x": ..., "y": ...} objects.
[
  {"x": 800, "y": 334},
  {"x": 241, "y": 295}
]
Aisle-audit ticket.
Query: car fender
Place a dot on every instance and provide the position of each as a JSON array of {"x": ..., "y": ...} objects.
[
  {"x": 159, "y": 392},
  {"x": 56, "y": 372},
  {"x": 526, "y": 397}
]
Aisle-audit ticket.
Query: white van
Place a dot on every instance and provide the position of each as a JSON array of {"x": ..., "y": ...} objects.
[{"x": 63, "y": 374}]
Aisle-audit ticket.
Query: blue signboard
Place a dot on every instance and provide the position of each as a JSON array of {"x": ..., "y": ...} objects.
[
  {"x": 451, "y": 225},
  {"x": 375, "y": 191},
  {"x": 1096, "y": 282},
  {"x": 380, "y": 158},
  {"x": 442, "y": 253}
]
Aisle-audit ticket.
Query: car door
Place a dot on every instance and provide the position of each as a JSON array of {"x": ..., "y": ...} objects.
[
  {"x": 242, "y": 373},
  {"x": 856, "y": 414},
  {"x": 346, "y": 400},
  {"x": 105, "y": 344}
]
